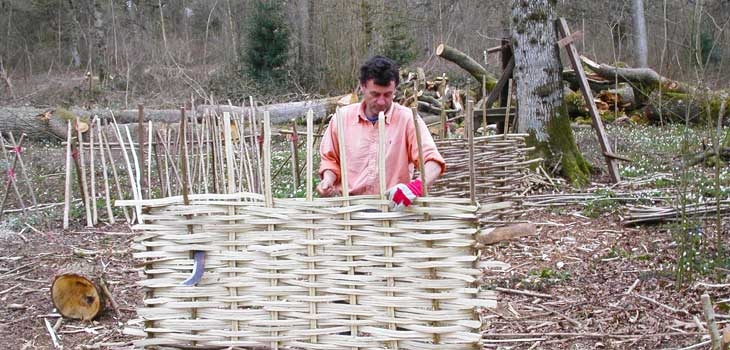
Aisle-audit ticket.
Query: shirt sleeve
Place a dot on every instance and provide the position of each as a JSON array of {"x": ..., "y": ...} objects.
[
  {"x": 329, "y": 150},
  {"x": 430, "y": 152}
]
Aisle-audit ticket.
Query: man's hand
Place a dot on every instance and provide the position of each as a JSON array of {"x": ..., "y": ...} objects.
[
  {"x": 402, "y": 195},
  {"x": 326, "y": 188}
]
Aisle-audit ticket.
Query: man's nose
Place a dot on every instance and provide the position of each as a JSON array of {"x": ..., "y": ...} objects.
[{"x": 380, "y": 100}]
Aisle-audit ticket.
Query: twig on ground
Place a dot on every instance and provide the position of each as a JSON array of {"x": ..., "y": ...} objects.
[
  {"x": 679, "y": 311},
  {"x": 110, "y": 297},
  {"x": 524, "y": 292},
  {"x": 52, "y": 333},
  {"x": 628, "y": 291}
]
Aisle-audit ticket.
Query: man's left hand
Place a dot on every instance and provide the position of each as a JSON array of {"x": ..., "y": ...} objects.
[{"x": 403, "y": 195}]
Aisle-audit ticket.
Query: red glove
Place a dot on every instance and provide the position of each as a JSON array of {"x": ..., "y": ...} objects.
[{"x": 402, "y": 195}]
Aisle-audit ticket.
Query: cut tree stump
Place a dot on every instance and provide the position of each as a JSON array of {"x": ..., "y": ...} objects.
[{"x": 77, "y": 297}]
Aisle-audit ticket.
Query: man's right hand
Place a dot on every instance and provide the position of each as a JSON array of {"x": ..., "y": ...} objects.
[{"x": 326, "y": 188}]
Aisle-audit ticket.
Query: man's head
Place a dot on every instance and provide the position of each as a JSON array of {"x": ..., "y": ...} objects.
[{"x": 378, "y": 80}]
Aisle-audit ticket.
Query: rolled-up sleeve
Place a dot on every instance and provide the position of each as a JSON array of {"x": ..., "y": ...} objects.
[{"x": 329, "y": 150}]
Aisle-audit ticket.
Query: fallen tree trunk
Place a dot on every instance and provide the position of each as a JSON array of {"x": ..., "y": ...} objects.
[
  {"x": 468, "y": 64},
  {"x": 280, "y": 112},
  {"x": 50, "y": 123}
]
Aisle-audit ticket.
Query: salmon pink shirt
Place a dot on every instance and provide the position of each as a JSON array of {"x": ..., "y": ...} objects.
[{"x": 361, "y": 147}]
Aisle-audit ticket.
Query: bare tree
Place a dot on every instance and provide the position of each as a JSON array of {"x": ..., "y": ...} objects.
[
  {"x": 640, "y": 47},
  {"x": 538, "y": 83}
]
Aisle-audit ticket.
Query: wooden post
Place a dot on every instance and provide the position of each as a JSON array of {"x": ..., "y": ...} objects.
[
  {"x": 67, "y": 187},
  {"x": 506, "y": 57},
  {"x": 140, "y": 154},
  {"x": 115, "y": 174},
  {"x": 294, "y": 156},
  {"x": 84, "y": 185},
  {"x": 107, "y": 195},
  {"x": 588, "y": 97},
  {"x": 470, "y": 139},
  {"x": 506, "y": 109},
  {"x": 92, "y": 174}
]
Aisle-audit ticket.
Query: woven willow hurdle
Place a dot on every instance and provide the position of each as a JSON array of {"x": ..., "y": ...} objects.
[
  {"x": 320, "y": 274},
  {"x": 500, "y": 171},
  {"x": 312, "y": 273}
]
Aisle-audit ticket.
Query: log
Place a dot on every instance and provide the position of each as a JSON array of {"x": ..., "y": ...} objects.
[
  {"x": 77, "y": 297},
  {"x": 468, "y": 64},
  {"x": 623, "y": 96},
  {"x": 596, "y": 82},
  {"x": 281, "y": 113},
  {"x": 50, "y": 123},
  {"x": 675, "y": 107},
  {"x": 499, "y": 234}
]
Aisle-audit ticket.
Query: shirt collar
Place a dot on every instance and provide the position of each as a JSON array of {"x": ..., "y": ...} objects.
[{"x": 361, "y": 113}]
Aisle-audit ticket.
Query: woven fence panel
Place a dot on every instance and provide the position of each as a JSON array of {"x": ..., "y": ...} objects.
[
  {"x": 321, "y": 274},
  {"x": 500, "y": 169}
]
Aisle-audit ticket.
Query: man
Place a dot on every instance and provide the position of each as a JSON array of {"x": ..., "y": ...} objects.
[{"x": 378, "y": 81}]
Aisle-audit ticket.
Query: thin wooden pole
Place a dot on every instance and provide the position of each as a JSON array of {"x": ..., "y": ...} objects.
[
  {"x": 294, "y": 156},
  {"x": 92, "y": 172},
  {"x": 388, "y": 249},
  {"x": 230, "y": 166},
  {"x": 136, "y": 184},
  {"x": 140, "y": 142},
  {"x": 256, "y": 143},
  {"x": 344, "y": 182},
  {"x": 105, "y": 174},
  {"x": 311, "y": 237},
  {"x": 429, "y": 244},
  {"x": 84, "y": 185},
  {"x": 246, "y": 166},
  {"x": 130, "y": 172},
  {"x": 67, "y": 188},
  {"x": 506, "y": 110},
  {"x": 470, "y": 140},
  {"x": 18, "y": 150},
  {"x": 269, "y": 204},
  {"x": 149, "y": 159},
  {"x": 168, "y": 161},
  {"x": 120, "y": 194},
  {"x": 11, "y": 179}
]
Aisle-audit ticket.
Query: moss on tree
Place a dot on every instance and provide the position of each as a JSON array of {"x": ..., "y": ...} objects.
[{"x": 561, "y": 148}]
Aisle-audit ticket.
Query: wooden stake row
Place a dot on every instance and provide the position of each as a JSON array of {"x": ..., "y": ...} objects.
[{"x": 224, "y": 154}]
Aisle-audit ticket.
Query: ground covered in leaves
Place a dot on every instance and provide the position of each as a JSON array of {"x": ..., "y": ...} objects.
[{"x": 585, "y": 281}]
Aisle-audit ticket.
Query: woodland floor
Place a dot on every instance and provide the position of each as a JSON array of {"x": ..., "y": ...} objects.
[{"x": 580, "y": 283}]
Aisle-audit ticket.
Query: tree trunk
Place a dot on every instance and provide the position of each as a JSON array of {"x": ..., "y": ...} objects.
[
  {"x": 47, "y": 124},
  {"x": 468, "y": 64},
  {"x": 539, "y": 89},
  {"x": 641, "y": 49},
  {"x": 99, "y": 64}
]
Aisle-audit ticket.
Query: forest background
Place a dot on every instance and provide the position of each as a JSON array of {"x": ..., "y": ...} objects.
[{"x": 162, "y": 52}]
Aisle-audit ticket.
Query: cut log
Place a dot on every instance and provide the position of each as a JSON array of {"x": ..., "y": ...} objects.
[
  {"x": 77, "y": 297},
  {"x": 499, "y": 234},
  {"x": 468, "y": 64},
  {"x": 282, "y": 112},
  {"x": 622, "y": 96},
  {"x": 596, "y": 82},
  {"x": 39, "y": 123}
]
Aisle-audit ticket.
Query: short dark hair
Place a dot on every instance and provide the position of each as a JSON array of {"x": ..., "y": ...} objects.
[{"x": 381, "y": 69}]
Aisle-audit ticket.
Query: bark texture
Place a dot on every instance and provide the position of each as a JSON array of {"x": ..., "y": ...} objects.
[
  {"x": 537, "y": 65},
  {"x": 538, "y": 87}
]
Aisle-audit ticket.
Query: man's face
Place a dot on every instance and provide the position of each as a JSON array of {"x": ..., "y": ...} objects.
[{"x": 377, "y": 98}]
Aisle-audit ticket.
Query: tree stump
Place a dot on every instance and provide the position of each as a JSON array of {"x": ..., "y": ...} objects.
[{"x": 77, "y": 297}]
